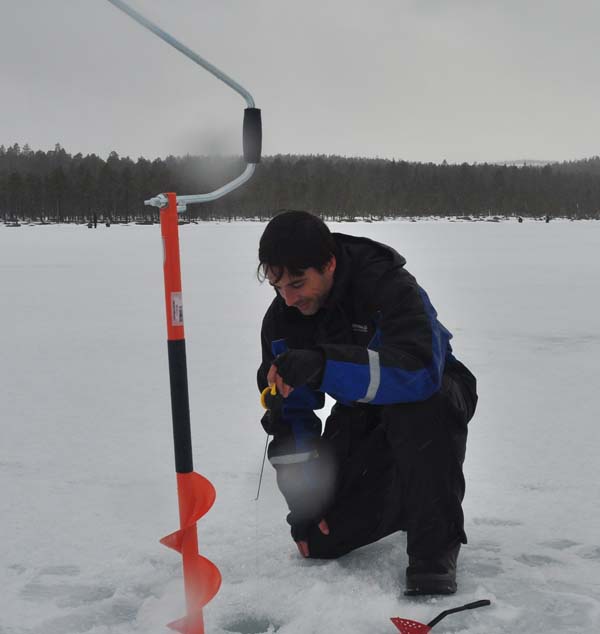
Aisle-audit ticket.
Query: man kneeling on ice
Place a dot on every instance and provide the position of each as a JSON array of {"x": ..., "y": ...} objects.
[{"x": 348, "y": 320}]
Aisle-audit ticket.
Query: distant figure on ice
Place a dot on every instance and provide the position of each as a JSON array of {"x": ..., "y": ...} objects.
[{"x": 348, "y": 320}]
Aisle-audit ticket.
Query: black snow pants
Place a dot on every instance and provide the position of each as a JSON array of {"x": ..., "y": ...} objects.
[{"x": 400, "y": 468}]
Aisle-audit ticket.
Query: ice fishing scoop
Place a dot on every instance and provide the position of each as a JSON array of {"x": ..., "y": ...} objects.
[{"x": 406, "y": 626}]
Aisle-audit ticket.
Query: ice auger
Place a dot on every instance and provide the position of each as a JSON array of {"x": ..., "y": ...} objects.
[{"x": 195, "y": 493}]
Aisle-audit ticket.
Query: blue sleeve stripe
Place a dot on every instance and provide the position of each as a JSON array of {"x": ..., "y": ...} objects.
[
  {"x": 303, "y": 398},
  {"x": 346, "y": 381},
  {"x": 440, "y": 338},
  {"x": 350, "y": 381},
  {"x": 278, "y": 346},
  {"x": 405, "y": 386},
  {"x": 382, "y": 385}
]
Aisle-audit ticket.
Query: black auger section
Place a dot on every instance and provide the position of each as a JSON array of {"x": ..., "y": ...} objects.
[
  {"x": 252, "y": 135},
  {"x": 180, "y": 406}
]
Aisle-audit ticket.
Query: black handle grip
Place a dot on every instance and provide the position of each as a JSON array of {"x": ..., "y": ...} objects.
[
  {"x": 252, "y": 135},
  {"x": 477, "y": 604},
  {"x": 469, "y": 606}
]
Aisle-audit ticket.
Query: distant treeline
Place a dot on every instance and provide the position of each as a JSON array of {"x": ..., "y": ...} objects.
[{"x": 56, "y": 186}]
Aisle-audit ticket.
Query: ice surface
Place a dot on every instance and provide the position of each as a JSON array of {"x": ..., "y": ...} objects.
[{"x": 86, "y": 456}]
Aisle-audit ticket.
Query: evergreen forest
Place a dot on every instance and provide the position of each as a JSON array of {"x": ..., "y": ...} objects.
[{"x": 55, "y": 186}]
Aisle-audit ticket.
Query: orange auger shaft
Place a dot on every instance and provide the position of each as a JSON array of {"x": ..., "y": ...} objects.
[{"x": 196, "y": 494}]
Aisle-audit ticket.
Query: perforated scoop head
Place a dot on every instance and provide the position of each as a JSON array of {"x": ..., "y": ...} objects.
[{"x": 406, "y": 626}]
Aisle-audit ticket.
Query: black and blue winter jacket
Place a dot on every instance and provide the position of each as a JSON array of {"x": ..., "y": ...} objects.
[{"x": 378, "y": 330}]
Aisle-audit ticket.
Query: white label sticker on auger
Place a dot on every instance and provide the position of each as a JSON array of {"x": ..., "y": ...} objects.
[{"x": 176, "y": 309}]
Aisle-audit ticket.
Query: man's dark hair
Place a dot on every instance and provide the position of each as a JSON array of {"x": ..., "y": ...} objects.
[{"x": 294, "y": 241}]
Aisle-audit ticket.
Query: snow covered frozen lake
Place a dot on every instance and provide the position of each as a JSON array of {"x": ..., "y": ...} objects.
[{"x": 86, "y": 455}]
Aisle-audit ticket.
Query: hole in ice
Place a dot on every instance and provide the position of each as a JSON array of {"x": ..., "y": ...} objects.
[{"x": 251, "y": 625}]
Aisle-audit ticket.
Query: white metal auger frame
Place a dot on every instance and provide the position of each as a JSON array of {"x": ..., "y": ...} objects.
[{"x": 252, "y": 129}]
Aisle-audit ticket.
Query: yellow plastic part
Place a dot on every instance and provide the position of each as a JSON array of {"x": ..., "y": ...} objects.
[{"x": 269, "y": 390}]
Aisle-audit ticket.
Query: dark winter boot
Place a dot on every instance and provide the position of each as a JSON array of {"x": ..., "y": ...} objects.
[{"x": 432, "y": 576}]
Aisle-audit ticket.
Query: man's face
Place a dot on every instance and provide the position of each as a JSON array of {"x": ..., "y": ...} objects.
[{"x": 306, "y": 292}]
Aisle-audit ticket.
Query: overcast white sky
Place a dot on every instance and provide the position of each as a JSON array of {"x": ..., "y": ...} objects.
[{"x": 420, "y": 80}]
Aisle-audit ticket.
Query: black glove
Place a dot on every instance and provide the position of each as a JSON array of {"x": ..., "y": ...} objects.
[
  {"x": 300, "y": 530},
  {"x": 301, "y": 367}
]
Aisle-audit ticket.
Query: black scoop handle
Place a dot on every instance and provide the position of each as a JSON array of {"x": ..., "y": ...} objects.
[{"x": 469, "y": 606}]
